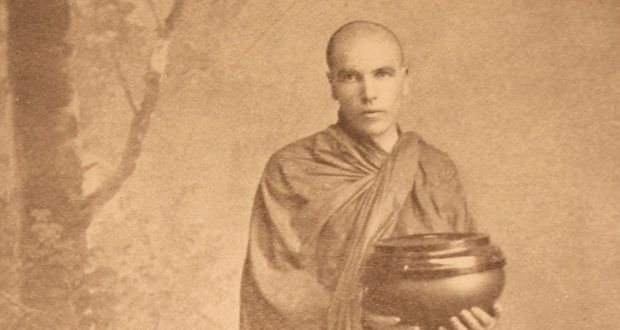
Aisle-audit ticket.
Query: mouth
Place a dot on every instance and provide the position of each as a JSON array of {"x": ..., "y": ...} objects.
[{"x": 372, "y": 113}]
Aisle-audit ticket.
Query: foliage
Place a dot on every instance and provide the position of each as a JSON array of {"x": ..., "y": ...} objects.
[
  {"x": 107, "y": 43},
  {"x": 143, "y": 265}
]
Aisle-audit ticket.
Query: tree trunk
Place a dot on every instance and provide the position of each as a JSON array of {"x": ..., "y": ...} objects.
[{"x": 52, "y": 251}]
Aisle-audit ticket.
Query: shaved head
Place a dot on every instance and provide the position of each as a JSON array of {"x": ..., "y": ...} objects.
[
  {"x": 368, "y": 79},
  {"x": 360, "y": 31}
]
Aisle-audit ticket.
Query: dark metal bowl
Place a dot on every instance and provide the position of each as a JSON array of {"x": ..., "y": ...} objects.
[{"x": 425, "y": 279}]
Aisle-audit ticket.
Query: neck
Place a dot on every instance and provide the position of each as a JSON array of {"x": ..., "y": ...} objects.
[{"x": 387, "y": 140}]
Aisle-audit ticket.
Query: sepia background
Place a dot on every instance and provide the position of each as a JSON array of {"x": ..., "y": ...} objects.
[{"x": 524, "y": 96}]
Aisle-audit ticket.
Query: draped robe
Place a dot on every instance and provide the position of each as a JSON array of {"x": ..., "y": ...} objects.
[{"x": 322, "y": 203}]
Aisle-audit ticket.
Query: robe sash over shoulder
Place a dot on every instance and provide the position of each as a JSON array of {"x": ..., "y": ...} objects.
[{"x": 321, "y": 205}]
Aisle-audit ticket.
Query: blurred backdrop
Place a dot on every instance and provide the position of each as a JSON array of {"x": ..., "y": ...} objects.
[{"x": 524, "y": 95}]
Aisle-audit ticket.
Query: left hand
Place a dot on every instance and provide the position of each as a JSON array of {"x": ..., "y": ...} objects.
[{"x": 474, "y": 319}]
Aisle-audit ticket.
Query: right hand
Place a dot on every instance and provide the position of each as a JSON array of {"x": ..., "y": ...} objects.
[{"x": 383, "y": 322}]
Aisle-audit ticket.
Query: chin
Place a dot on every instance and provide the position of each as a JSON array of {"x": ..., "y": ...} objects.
[{"x": 374, "y": 129}]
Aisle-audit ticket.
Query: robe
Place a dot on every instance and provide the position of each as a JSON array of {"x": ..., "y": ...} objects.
[{"x": 321, "y": 205}]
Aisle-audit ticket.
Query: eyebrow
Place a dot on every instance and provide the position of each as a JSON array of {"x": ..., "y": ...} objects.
[
  {"x": 385, "y": 68},
  {"x": 389, "y": 69},
  {"x": 346, "y": 71}
]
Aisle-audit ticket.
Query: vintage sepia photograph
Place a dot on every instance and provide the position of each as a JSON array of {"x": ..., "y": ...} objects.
[{"x": 341, "y": 165}]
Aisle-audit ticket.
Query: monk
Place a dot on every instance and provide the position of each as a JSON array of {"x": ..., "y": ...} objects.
[{"x": 325, "y": 200}]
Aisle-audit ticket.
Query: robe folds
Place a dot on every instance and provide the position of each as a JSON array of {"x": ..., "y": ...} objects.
[{"x": 322, "y": 203}]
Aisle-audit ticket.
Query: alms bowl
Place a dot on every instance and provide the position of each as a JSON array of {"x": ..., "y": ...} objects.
[{"x": 425, "y": 279}]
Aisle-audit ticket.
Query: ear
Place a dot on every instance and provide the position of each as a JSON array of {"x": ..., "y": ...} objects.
[
  {"x": 406, "y": 89},
  {"x": 330, "y": 78}
]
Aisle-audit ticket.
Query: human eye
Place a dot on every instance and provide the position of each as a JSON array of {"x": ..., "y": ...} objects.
[
  {"x": 384, "y": 73},
  {"x": 347, "y": 76}
]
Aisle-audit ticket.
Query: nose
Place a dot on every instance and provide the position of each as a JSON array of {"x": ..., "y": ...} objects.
[{"x": 368, "y": 90}]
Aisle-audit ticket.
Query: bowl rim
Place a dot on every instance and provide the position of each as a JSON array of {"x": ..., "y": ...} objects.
[{"x": 430, "y": 242}]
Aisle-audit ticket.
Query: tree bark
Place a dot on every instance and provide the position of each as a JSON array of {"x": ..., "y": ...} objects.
[
  {"x": 52, "y": 252},
  {"x": 54, "y": 214}
]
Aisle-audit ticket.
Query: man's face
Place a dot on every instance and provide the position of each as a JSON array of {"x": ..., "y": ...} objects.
[{"x": 369, "y": 82}]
